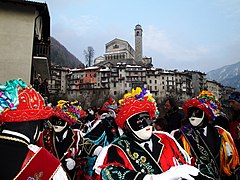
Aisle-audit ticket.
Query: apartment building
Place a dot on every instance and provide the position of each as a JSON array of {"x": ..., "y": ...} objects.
[
  {"x": 58, "y": 82},
  {"x": 215, "y": 87},
  {"x": 24, "y": 40}
]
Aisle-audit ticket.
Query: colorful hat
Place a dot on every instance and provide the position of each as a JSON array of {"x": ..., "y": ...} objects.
[
  {"x": 207, "y": 102},
  {"x": 109, "y": 105},
  {"x": 70, "y": 112},
  {"x": 19, "y": 103},
  {"x": 140, "y": 100}
]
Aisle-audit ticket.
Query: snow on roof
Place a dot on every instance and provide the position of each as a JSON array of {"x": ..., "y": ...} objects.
[{"x": 105, "y": 69}]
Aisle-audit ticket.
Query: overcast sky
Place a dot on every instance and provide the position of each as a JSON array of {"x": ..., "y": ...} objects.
[{"x": 178, "y": 34}]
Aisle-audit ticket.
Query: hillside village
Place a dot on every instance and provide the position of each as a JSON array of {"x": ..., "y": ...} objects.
[
  {"x": 122, "y": 68},
  {"x": 117, "y": 71}
]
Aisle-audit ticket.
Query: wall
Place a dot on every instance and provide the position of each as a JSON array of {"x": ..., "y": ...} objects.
[{"x": 16, "y": 40}]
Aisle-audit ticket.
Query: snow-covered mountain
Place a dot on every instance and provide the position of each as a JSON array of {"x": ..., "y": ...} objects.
[{"x": 227, "y": 75}]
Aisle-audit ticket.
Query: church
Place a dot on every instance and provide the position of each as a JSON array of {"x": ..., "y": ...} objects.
[{"x": 120, "y": 51}]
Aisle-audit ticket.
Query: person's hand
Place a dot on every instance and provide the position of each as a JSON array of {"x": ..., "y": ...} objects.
[
  {"x": 97, "y": 151},
  {"x": 174, "y": 173},
  {"x": 70, "y": 163}
]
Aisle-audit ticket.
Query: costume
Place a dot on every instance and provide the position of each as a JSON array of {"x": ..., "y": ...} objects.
[
  {"x": 21, "y": 109},
  {"x": 104, "y": 131},
  {"x": 66, "y": 143},
  {"x": 212, "y": 147},
  {"x": 133, "y": 161},
  {"x": 141, "y": 153}
]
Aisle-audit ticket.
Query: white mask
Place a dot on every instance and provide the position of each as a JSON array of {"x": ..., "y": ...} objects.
[
  {"x": 196, "y": 121},
  {"x": 144, "y": 133},
  {"x": 59, "y": 128}
]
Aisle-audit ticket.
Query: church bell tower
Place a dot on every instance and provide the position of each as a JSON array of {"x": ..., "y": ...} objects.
[{"x": 138, "y": 43}]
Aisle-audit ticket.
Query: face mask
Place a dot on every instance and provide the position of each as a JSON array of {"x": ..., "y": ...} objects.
[
  {"x": 141, "y": 126},
  {"x": 90, "y": 111},
  {"x": 58, "y": 124},
  {"x": 196, "y": 117},
  {"x": 144, "y": 133}
]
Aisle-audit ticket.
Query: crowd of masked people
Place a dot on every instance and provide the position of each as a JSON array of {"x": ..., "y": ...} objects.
[{"x": 123, "y": 139}]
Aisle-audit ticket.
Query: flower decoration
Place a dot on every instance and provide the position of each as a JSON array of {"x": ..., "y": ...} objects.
[
  {"x": 138, "y": 93},
  {"x": 207, "y": 102},
  {"x": 211, "y": 102},
  {"x": 69, "y": 111}
]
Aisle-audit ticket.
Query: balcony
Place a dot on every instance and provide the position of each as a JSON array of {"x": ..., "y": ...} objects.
[
  {"x": 41, "y": 61},
  {"x": 41, "y": 49}
]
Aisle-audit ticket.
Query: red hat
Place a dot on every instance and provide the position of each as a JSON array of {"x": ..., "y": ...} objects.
[
  {"x": 109, "y": 105},
  {"x": 69, "y": 111},
  {"x": 140, "y": 100},
  {"x": 207, "y": 102},
  {"x": 31, "y": 107}
]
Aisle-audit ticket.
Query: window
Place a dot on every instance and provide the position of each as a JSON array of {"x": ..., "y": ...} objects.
[{"x": 115, "y": 46}]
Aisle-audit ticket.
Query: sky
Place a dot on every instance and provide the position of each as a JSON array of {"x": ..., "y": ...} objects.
[{"x": 200, "y": 35}]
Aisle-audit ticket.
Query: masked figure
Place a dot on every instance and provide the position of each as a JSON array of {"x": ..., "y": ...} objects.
[
  {"x": 212, "y": 147},
  {"x": 22, "y": 112},
  {"x": 66, "y": 143},
  {"x": 141, "y": 153}
]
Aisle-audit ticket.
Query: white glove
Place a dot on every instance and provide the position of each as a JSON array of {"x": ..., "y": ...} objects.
[
  {"x": 70, "y": 163},
  {"x": 175, "y": 173},
  {"x": 97, "y": 151},
  {"x": 228, "y": 149}
]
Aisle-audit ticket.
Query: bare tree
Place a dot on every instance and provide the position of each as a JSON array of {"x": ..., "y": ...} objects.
[{"x": 89, "y": 54}]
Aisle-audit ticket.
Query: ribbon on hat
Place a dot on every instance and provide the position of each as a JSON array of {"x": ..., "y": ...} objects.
[
  {"x": 9, "y": 94},
  {"x": 69, "y": 111},
  {"x": 211, "y": 103},
  {"x": 137, "y": 101},
  {"x": 138, "y": 93}
]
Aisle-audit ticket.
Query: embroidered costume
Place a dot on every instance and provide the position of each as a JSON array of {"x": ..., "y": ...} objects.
[
  {"x": 141, "y": 153},
  {"x": 127, "y": 159},
  {"x": 21, "y": 109},
  {"x": 212, "y": 147},
  {"x": 66, "y": 143}
]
